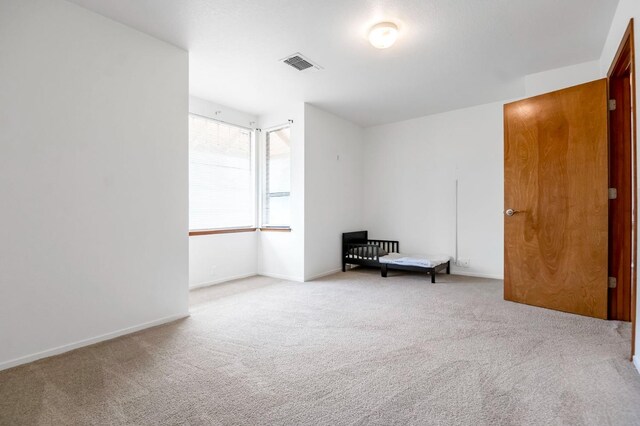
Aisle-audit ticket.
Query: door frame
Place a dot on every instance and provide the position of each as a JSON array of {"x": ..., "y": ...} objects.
[{"x": 623, "y": 60}]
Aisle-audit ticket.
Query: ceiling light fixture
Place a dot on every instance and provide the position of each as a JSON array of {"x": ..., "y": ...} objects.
[{"x": 383, "y": 35}]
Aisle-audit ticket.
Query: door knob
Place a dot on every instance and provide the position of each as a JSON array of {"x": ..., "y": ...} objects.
[{"x": 511, "y": 212}]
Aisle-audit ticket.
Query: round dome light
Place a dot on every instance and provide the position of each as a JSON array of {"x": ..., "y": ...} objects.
[{"x": 383, "y": 35}]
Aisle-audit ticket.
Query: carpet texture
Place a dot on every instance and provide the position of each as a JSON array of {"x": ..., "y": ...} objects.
[{"x": 348, "y": 349}]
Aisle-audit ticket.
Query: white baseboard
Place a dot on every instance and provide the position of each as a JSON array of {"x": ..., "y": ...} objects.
[
  {"x": 475, "y": 274},
  {"x": 324, "y": 274},
  {"x": 222, "y": 280},
  {"x": 281, "y": 277},
  {"x": 86, "y": 342},
  {"x": 636, "y": 362}
]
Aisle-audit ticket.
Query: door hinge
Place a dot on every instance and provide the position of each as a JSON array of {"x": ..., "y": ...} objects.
[
  {"x": 612, "y": 105},
  {"x": 613, "y": 193},
  {"x": 613, "y": 282}
]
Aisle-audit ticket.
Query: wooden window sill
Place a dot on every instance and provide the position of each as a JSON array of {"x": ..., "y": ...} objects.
[
  {"x": 219, "y": 231},
  {"x": 275, "y": 229}
]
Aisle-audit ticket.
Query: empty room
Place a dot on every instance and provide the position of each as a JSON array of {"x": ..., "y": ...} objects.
[{"x": 277, "y": 212}]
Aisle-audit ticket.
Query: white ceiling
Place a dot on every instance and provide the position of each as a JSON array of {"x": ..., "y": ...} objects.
[{"x": 450, "y": 53}]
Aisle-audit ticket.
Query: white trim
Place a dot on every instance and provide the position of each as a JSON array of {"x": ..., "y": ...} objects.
[
  {"x": 281, "y": 277},
  {"x": 278, "y": 126},
  {"x": 636, "y": 362},
  {"x": 86, "y": 342},
  {"x": 324, "y": 274},
  {"x": 222, "y": 280},
  {"x": 262, "y": 173},
  {"x": 475, "y": 274},
  {"x": 217, "y": 120}
]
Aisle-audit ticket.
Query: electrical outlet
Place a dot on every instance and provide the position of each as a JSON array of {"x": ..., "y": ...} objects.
[{"x": 465, "y": 263}]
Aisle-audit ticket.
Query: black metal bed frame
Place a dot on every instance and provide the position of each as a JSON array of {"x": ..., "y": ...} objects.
[
  {"x": 358, "y": 249},
  {"x": 384, "y": 268}
]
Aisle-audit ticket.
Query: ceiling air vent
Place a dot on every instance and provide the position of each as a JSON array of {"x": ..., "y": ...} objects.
[{"x": 300, "y": 63}]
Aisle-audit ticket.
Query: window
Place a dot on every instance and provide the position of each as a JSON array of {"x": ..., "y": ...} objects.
[
  {"x": 221, "y": 178},
  {"x": 277, "y": 181}
]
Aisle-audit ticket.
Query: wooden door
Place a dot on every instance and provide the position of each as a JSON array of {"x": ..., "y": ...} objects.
[{"x": 556, "y": 184}]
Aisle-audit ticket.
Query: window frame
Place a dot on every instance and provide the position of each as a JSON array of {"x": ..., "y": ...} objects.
[
  {"x": 254, "y": 185},
  {"x": 263, "y": 179}
]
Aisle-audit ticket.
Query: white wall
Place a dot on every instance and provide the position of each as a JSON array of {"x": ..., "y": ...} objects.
[
  {"x": 221, "y": 112},
  {"x": 409, "y": 185},
  {"x": 627, "y": 9},
  {"x": 411, "y": 168},
  {"x": 281, "y": 254},
  {"x": 561, "y": 78},
  {"x": 222, "y": 257},
  {"x": 93, "y": 177},
  {"x": 333, "y": 188}
]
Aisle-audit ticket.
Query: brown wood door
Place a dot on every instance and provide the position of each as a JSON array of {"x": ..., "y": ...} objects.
[{"x": 556, "y": 181}]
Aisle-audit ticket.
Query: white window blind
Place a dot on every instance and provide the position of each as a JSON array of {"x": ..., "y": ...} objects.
[
  {"x": 221, "y": 182},
  {"x": 277, "y": 196}
]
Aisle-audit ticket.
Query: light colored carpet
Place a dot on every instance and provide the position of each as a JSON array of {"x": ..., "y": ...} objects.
[{"x": 352, "y": 348}]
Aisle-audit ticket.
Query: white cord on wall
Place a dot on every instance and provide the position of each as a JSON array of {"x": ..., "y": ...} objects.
[{"x": 456, "y": 231}]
